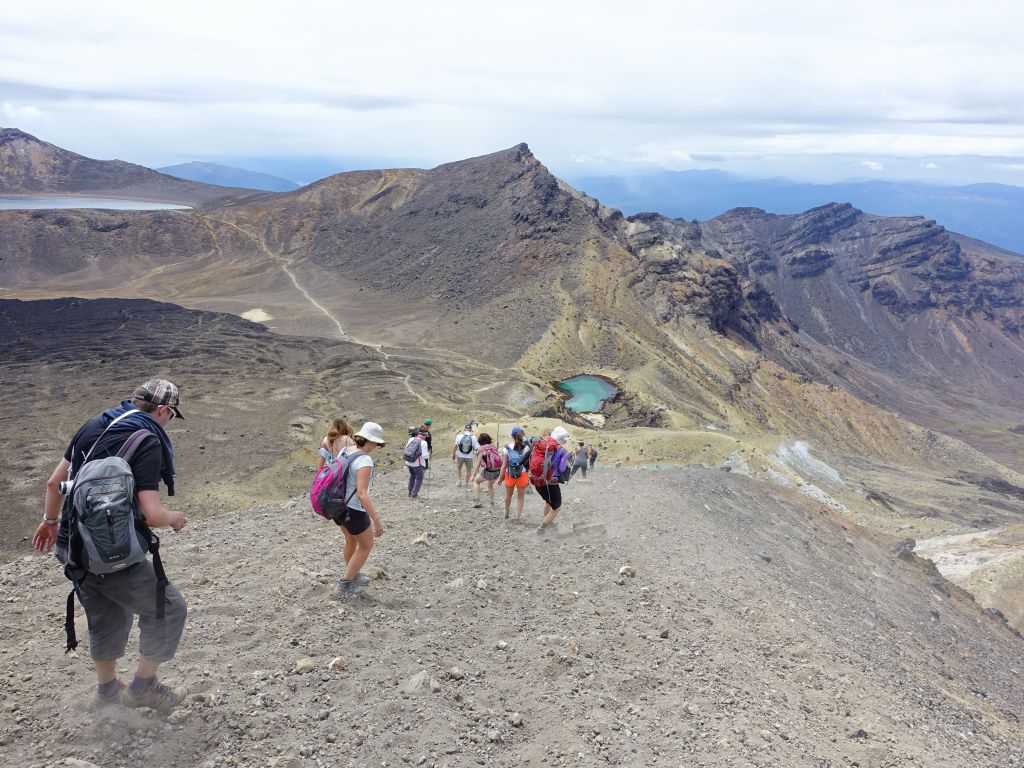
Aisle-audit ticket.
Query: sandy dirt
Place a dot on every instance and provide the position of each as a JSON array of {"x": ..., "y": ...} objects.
[{"x": 674, "y": 617}]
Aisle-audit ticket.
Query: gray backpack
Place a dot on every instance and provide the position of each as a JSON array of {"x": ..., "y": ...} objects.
[
  {"x": 107, "y": 532},
  {"x": 104, "y": 517}
]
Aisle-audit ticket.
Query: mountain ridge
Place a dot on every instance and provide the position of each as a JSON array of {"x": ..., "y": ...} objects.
[{"x": 29, "y": 165}]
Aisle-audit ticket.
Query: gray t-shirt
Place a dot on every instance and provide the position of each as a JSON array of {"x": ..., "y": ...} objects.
[{"x": 357, "y": 464}]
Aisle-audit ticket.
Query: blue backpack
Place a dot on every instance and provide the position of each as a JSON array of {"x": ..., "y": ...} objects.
[{"x": 516, "y": 461}]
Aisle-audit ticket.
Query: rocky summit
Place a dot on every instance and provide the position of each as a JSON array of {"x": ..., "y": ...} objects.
[{"x": 804, "y": 402}]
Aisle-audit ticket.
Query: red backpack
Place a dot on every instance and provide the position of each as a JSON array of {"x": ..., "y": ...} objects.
[{"x": 541, "y": 470}]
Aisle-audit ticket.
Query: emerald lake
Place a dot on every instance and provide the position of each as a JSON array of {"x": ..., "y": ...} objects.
[{"x": 588, "y": 393}]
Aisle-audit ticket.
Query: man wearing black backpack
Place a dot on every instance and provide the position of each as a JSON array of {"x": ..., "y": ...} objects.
[{"x": 107, "y": 562}]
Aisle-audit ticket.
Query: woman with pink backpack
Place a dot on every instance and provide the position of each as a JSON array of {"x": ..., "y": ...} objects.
[{"x": 488, "y": 467}]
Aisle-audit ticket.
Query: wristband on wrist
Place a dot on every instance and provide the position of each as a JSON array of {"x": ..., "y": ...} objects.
[{"x": 48, "y": 521}]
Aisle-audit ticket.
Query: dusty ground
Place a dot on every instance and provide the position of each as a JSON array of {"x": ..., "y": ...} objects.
[{"x": 758, "y": 630}]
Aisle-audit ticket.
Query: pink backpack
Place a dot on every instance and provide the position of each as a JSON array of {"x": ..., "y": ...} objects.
[
  {"x": 334, "y": 485},
  {"x": 490, "y": 457}
]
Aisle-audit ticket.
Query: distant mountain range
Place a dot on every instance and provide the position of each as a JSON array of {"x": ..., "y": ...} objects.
[
  {"x": 990, "y": 212},
  {"x": 229, "y": 176}
]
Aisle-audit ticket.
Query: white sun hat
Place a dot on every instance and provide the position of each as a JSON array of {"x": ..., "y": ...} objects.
[
  {"x": 373, "y": 432},
  {"x": 561, "y": 434}
]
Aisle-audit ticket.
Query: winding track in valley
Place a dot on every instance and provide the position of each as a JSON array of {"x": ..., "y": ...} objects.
[{"x": 345, "y": 336}]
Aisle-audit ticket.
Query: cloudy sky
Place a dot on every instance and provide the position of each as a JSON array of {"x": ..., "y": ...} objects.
[{"x": 819, "y": 91}]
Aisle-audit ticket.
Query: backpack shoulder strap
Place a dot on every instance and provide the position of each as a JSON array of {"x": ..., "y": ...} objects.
[
  {"x": 132, "y": 443},
  {"x": 112, "y": 423}
]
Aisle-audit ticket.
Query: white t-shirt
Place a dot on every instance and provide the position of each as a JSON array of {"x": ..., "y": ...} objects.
[
  {"x": 358, "y": 463},
  {"x": 458, "y": 451},
  {"x": 424, "y": 454}
]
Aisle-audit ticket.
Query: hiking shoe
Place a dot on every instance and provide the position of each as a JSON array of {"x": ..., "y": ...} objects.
[
  {"x": 161, "y": 697},
  {"x": 477, "y": 505},
  {"x": 346, "y": 589},
  {"x": 100, "y": 702},
  {"x": 506, "y": 514},
  {"x": 361, "y": 581}
]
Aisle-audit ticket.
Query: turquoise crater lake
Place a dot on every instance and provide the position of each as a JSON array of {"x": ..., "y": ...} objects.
[{"x": 588, "y": 393}]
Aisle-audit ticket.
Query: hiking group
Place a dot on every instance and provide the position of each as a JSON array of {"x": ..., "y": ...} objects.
[{"x": 102, "y": 503}]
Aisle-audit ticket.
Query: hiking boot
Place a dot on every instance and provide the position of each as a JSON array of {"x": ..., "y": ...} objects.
[
  {"x": 361, "y": 581},
  {"x": 100, "y": 702},
  {"x": 477, "y": 505},
  {"x": 506, "y": 514},
  {"x": 346, "y": 589},
  {"x": 161, "y": 697}
]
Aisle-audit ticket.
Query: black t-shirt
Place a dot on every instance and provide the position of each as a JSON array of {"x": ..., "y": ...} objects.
[
  {"x": 147, "y": 462},
  {"x": 426, "y": 434}
]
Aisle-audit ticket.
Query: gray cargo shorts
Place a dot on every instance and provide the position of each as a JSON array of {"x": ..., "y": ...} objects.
[
  {"x": 461, "y": 462},
  {"x": 111, "y": 603}
]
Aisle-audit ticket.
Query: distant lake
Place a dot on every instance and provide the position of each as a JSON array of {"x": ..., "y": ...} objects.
[
  {"x": 33, "y": 202},
  {"x": 588, "y": 393}
]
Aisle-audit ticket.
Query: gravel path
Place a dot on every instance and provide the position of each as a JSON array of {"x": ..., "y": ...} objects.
[{"x": 674, "y": 617}]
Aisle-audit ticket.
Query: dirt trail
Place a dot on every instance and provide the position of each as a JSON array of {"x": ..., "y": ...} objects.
[
  {"x": 756, "y": 631},
  {"x": 284, "y": 264}
]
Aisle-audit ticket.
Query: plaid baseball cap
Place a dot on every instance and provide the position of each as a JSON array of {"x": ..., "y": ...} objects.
[{"x": 159, "y": 392}]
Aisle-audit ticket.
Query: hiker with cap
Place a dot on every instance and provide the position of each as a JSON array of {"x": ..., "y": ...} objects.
[
  {"x": 425, "y": 431},
  {"x": 515, "y": 458},
  {"x": 465, "y": 448},
  {"x": 109, "y": 479},
  {"x": 416, "y": 454},
  {"x": 355, "y": 521},
  {"x": 549, "y": 466}
]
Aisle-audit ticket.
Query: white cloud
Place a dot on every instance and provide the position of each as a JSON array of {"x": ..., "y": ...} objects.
[
  {"x": 930, "y": 166},
  {"x": 659, "y": 84},
  {"x": 873, "y": 165}
]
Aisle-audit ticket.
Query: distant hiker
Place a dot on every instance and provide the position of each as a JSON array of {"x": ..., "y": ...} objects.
[
  {"x": 110, "y": 504},
  {"x": 514, "y": 473},
  {"x": 415, "y": 454},
  {"x": 593, "y": 457},
  {"x": 549, "y": 466},
  {"x": 580, "y": 459},
  {"x": 339, "y": 436},
  {"x": 425, "y": 431},
  {"x": 355, "y": 520},
  {"x": 487, "y": 469},
  {"x": 466, "y": 447}
]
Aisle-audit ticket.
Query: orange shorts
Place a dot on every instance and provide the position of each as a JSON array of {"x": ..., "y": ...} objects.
[{"x": 516, "y": 482}]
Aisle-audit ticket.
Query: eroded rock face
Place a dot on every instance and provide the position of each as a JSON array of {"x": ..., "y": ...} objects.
[{"x": 679, "y": 275}]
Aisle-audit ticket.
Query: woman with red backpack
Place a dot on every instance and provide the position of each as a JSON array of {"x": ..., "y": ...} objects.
[
  {"x": 488, "y": 467},
  {"x": 549, "y": 464}
]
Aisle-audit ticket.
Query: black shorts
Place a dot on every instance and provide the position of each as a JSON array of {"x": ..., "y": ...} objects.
[
  {"x": 552, "y": 494},
  {"x": 355, "y": 521}
]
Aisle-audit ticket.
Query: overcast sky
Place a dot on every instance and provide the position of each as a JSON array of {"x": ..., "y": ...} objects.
[{"x": 811, "y": 90}]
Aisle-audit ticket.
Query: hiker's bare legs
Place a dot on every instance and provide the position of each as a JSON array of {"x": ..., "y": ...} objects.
[
  {"x": 550, "y": 514},
  {"x": 105, "y": 671},
  {"x": 147, "y": 667},
  {"x": 363, "y": 543},
  {"x": 520, "y": 500},
  {"x": 490, "y": 491},
  {"x": 508, "y": 499},
  {"x": 350, "y": 546},
  {"x": 476, "y": 489}
]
